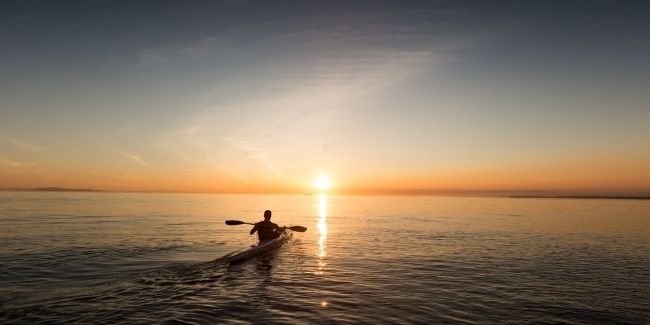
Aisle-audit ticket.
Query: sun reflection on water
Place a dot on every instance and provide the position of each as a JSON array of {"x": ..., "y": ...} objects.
[{"x": 322, "y": 230}]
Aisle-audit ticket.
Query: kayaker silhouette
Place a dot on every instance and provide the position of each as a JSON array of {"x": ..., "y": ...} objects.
[{"x": 267, "y": 230}]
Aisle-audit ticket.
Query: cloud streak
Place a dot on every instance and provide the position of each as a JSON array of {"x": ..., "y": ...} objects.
[
  {"x": 301, "y": 101},
  {"x": 360, "y": 32},
  {"x": 253, "y": 152},
  {"x": 17, "y": 143},
  {"x": 16, "y": 164},
  {"x": 135, "y": 158}
]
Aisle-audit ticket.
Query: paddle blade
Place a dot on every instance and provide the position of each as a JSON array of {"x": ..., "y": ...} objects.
[
  {"x": 298, "y": 228},
  {"x": 234, "y": 222}
]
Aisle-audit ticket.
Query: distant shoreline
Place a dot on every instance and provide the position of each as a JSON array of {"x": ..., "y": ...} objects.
[
  {"x": 587, "y": 197},
  {"x": 51, "y": 189}
]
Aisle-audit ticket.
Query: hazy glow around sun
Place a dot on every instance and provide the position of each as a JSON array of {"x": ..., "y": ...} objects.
[{"x": 322, "y": 182}]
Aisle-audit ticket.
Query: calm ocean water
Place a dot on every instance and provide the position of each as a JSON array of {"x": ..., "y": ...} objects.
[{"x": 154, "y": 258}]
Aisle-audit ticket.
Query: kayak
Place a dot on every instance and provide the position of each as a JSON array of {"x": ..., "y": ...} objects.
[{"x": 260, "y": 247}]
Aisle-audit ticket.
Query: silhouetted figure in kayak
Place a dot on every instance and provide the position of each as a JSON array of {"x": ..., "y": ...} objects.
[{"x": 266, "y": 229}]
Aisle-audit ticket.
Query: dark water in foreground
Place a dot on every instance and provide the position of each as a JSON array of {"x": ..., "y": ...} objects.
[{"x": 153, "y": 258}]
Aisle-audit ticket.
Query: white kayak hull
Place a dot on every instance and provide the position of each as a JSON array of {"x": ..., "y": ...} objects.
[{"x": 259, "y": 248}]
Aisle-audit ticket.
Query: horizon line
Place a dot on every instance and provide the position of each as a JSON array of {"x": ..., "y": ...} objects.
[{"x": 372, "y": 192}]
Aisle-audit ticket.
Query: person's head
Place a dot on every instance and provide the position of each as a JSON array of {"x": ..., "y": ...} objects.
[{"x": 267, "y": 215}]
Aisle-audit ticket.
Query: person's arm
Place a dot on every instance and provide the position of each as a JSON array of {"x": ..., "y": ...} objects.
[{"x": 254, "y": 229}]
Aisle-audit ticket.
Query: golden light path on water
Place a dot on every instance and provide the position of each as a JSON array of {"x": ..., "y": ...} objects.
[{"x": 322, "y": 231}]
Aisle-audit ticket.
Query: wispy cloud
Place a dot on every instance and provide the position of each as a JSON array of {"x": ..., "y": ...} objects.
[
  {"x": 135, "y": 158},
  {"x": 253, "y": 152},
  {"x": 358, "y": 31},
  {"x": 20, "y": 144},
  {"x": 231, "y": 138},
  {"x": 207, "y": 46},
  {"x": 308, "y": 78},
  {"x": 16, "y": 164}
]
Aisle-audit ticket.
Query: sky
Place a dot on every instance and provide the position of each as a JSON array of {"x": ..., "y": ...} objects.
[{"x": 381, "y": 96}]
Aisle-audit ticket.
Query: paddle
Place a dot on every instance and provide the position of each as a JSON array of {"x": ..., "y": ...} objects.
[
  {"x": 237, "y": 222},
  {"x": 298, "y": 228}
]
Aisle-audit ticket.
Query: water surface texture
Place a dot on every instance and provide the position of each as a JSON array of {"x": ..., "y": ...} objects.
[{"x": 156, "y": 258}]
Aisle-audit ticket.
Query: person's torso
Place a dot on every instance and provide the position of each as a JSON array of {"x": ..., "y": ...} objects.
[{"x": 266, "y": 230}]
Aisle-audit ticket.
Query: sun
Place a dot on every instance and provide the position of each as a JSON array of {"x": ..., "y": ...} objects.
[{"x": 322, "y": 182}]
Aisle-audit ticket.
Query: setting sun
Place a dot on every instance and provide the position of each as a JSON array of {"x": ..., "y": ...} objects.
[{"x": 322, "y": 182}]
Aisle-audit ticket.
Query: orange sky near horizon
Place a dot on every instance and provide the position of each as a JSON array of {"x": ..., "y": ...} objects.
[{"x": 576, "y": 177}]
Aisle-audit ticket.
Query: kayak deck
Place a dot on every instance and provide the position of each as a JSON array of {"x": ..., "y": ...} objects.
[{"x": 260, "y": 248}]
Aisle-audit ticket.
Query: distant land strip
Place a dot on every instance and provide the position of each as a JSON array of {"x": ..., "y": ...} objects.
[
  {"x": 592, "y": 197},
  {"x": 53, "y": 189}
]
